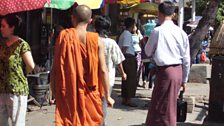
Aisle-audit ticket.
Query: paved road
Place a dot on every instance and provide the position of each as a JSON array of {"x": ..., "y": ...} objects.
[{"x": 127, "y": 116}]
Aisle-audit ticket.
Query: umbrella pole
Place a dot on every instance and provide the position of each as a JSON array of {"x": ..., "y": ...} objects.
[
  {"x": 27, "y": 26},
  {"x": 49, "y": 42},
  {"x": 193, "y": 12},
  {"x": 51, "y": 19},
  {"x": 181, "y": 14}
]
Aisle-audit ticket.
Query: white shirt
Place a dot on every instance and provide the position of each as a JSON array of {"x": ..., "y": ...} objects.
[
  {"x": 125, "y": 40},
  {"x": 113, "y": 57},
  {"x": 168, "y": 45},
  {"x": 136, "y": 41}
]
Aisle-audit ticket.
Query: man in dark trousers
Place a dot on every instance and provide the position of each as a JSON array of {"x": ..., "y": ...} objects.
[{"x": 128, "y": 86}]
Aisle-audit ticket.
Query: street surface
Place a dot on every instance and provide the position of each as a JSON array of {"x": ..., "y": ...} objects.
[{"x": 121, "y": 115}]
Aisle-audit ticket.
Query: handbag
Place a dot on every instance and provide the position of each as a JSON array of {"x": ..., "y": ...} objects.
[{"x": 181, "y": 108}]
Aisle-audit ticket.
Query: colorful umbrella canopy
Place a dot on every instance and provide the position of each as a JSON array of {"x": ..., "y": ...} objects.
[
  {"x": 60, "y": 4},
  {"x": 93, "y": 4},
  {"x": 148, "y": 8},
  {"x": 12, "y": 6},
  {"x": 129, "y": 1},
  {"x": 66, "y": 4},
  {"x": 124, "y": 1}
]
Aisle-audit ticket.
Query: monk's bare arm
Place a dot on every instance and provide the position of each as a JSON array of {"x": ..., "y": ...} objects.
[{"x": 104, "y": 71}]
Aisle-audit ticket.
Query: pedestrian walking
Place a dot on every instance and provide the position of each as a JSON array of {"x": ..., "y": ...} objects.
[
  {"x": 79, "y": 77},
  {"x": 112, "y": 52},
  {"x": 145, "y": 63},
  {"x": 168, "y": 45},
  {"x": 15, "y": 55},
  {"x": 137, "y": 37},
  {"x": 128, "y": 86}
]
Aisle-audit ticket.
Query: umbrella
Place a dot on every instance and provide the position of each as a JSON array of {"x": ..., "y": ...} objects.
[
  {"x": 129, "y": 1},
  {"x": 66, "y": 4},
  {"x": 124, "y": 1},
  {"x": 148, "y": 8},
  {"x": 93, "y": 4},
  {"x": 12, "y": 6},
  {"x": 60, "y": 4}
]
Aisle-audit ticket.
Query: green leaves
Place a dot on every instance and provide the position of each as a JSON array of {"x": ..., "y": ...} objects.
[
  {"x": 201, "y": 6},
  {"x": 220, "y": 14}
]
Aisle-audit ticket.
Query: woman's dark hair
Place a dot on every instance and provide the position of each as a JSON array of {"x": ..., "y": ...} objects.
[
  {"x": 57, "y": 29},
  {"x": 167, "y": 8},
  {"x": 102, "y": 25},
  {"x": 13, "y": 20},
  {"x": 129, "y": 22}
]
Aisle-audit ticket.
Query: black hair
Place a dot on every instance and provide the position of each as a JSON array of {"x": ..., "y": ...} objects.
[
  {"x": 140, "y": 15},
  {"x": 57, "y": 29},
  {"x": 129, "y": 22},
  {"x": 13, "y": 20},
  {"x": 102, "y": 25},
  {"x": 167, "y": 8}
]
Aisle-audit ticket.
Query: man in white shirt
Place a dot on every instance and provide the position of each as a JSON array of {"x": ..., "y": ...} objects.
[{"x": 168, "y": 46}]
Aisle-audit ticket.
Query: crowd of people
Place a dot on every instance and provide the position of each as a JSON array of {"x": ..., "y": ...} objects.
[{"x": 84, "y": 68}]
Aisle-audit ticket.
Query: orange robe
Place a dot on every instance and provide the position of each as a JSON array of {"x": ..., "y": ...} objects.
[{"x": 78, "y": 90}]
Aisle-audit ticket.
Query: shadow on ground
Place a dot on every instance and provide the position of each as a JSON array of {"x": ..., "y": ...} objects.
[
  {"x": 178, "y": 124},
  {"x": 141, "y": 100},
  {"x": 202, "y": 113},
  {"x": 188, "y": 124}
]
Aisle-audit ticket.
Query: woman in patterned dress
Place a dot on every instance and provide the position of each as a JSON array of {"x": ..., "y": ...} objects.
[{"x": 15, "y": 54}]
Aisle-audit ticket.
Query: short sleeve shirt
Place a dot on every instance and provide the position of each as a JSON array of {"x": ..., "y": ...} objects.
[
  {"x": 125, "y": 40},
  {"x": 113, "y": 57},
  {"x": 12, "y": 78}
]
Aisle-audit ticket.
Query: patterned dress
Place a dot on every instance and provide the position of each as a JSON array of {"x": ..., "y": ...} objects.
[{"x": 12, "y": 78}]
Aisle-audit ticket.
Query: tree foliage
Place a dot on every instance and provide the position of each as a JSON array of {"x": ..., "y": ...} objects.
[
  {"x": 220, "y": 14},
  {"x": 209, "y": 15},
  {"x": 201, "y": 6}
]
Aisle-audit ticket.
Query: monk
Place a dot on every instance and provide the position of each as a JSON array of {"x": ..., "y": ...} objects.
[{"x": 79, "y": 77}]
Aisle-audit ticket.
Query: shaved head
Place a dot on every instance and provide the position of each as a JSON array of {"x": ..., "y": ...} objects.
[{"x": 82, "y": 13}]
